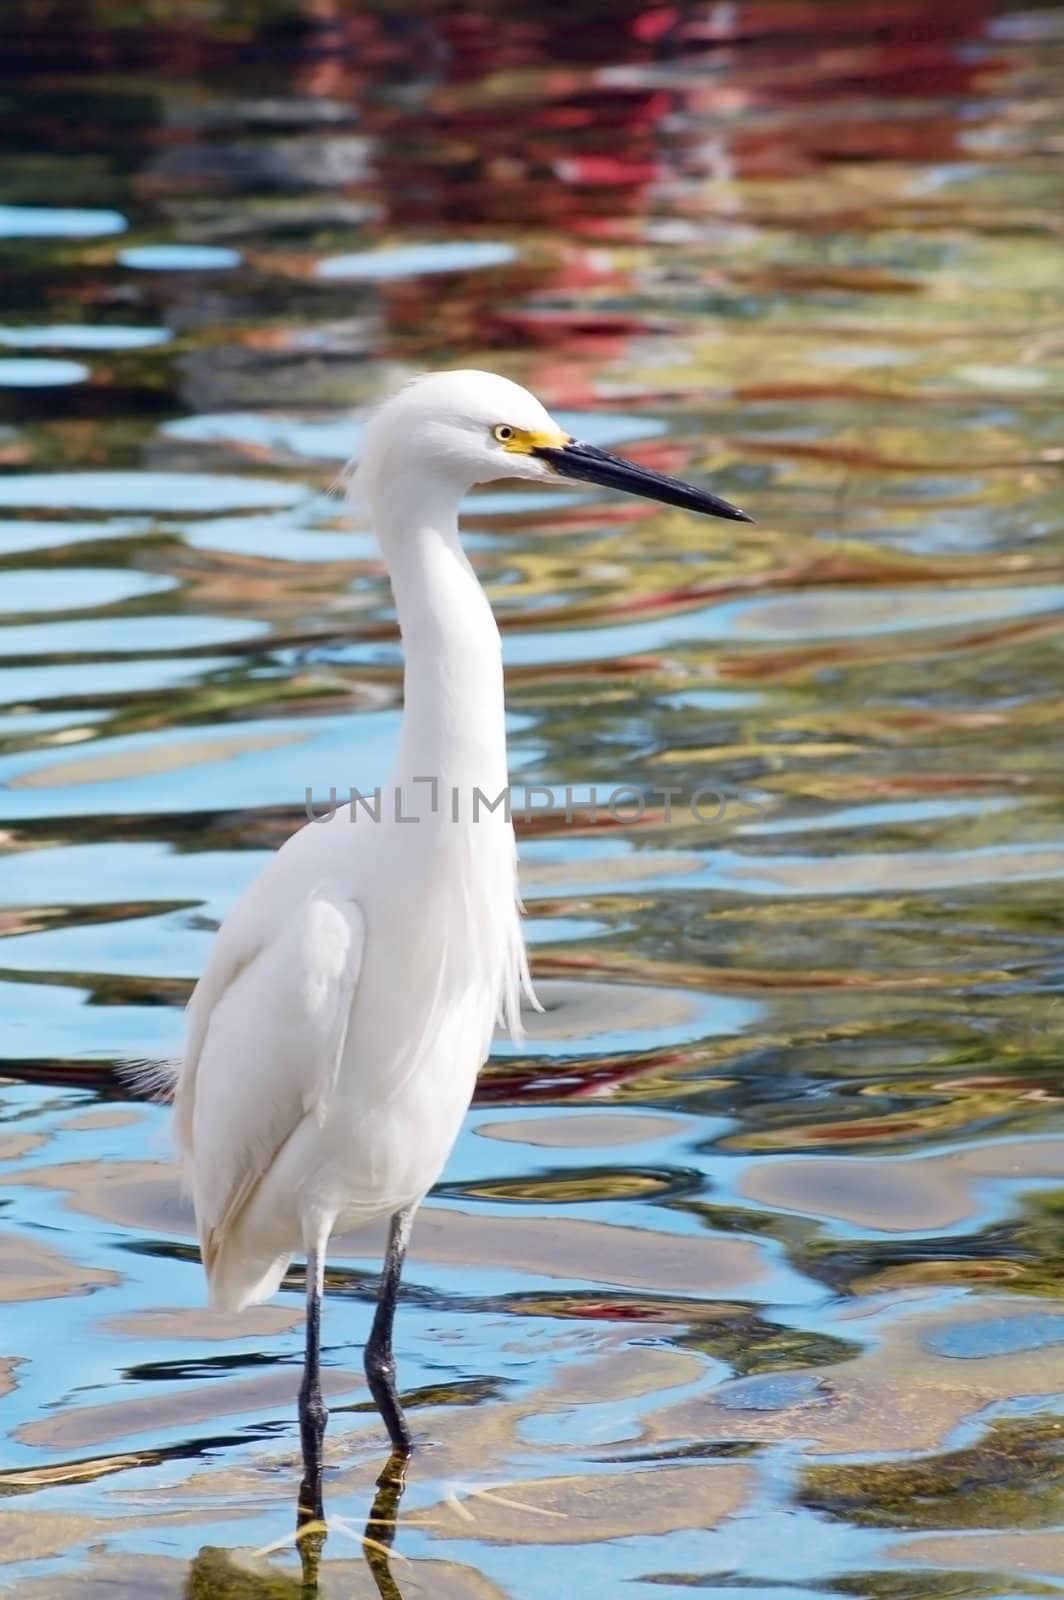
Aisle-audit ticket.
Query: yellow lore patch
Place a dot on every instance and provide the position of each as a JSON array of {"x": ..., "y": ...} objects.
[{"x": 522, "y": 441}]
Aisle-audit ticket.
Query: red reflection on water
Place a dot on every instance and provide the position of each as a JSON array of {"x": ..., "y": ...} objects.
[{"x": 570, "y": 128}]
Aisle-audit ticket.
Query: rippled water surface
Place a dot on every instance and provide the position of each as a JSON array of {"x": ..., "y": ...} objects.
[{"x": 745, "y": 1275}]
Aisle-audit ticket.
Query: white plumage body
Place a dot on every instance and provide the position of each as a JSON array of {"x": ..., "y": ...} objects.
[{"x": 364, "y": 1041}]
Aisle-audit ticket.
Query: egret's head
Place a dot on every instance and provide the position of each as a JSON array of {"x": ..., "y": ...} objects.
[{"x": 475, "y": 427}]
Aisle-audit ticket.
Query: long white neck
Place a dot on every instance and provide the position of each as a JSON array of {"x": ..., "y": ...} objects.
[
  {"x": 454, "y": 731},
  {"x": 454, "y": 719}
]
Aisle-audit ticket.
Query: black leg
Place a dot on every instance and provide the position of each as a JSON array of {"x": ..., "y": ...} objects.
[
  {"x": 378, "y": 1359},
  {"x": 312, "y": 1413}
]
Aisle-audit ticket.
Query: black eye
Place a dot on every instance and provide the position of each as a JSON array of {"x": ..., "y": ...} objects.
[{"x": 503, "y": 433}]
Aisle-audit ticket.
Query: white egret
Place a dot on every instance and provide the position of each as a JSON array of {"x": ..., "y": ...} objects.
[{"x": 348, "y": 1003}]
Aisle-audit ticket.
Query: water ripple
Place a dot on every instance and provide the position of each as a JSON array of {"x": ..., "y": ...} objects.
[{"x": 745, "y": 1273}]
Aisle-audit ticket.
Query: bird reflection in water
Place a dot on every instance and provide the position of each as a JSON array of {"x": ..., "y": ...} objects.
[
  {"x": 377, "y": 1538},
  {"x": 381, "y": 1525},
  {"x": 213, "y": 1575}
]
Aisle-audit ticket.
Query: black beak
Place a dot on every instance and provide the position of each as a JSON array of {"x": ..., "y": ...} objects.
[{"x": 590, "y": 465}]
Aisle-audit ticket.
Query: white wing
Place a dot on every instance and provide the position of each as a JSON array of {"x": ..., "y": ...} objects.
[{"x": 267, "y": 1024}]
